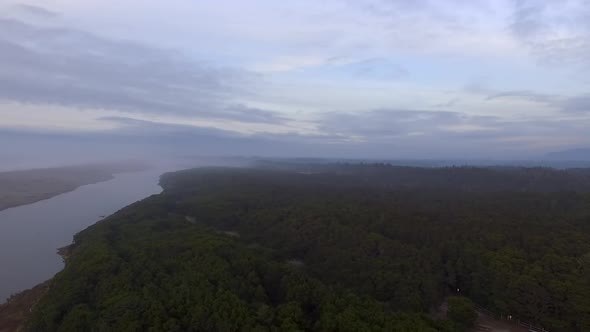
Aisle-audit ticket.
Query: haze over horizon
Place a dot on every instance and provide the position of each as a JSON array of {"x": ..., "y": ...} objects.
[{"x": 505, "y": 79}]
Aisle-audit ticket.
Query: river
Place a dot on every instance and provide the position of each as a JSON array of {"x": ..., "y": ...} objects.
[{"x": 30, "y": 234}]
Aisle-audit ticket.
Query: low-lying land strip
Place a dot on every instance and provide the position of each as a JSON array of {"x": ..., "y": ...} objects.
[{"x": 29, "y": 186}]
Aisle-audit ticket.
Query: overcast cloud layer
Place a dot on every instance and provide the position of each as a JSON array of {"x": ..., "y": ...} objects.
[{"x": 363, "y": 78}]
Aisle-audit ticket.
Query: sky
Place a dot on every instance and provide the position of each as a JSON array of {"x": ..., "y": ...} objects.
[{"x": 394, "y": 79}]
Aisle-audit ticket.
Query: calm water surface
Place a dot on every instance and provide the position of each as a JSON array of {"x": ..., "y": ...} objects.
[{"x": 31, "y": 234}]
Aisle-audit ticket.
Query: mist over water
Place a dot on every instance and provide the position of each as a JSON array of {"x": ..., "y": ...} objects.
[{"x": 18, "y": 153}]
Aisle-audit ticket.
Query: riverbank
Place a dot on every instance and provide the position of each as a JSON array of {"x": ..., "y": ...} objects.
[{"x": 14, "y": 312}]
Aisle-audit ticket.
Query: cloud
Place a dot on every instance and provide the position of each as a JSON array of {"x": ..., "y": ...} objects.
[
  {"x": 524, "y": 95},
  {"x": 384, "y": 134},
  {"x": 290, "y": 63},
  {"x": 557, "y": 32},
  {"x": 190, "y": 139},
  {"x": 377, "y": 68},
  {"x": 190, "y": 133},
  {"x": 436, "y": 133},
  {"x": 561, "y": 103},
  {"x": 527, "y": 19},
  {"x": 135, "y": 127},
  {"x": 480, "y": 87},
  {"x": 452, "y": 102},
  {"x": 380, "y": 133},
  {"x": 579, "y": 104},
  {"x": 389, "y": 63},
  {"x": 437, "y": 27},
  {"x": 73, "y": 68},
  {"x": 387, "y": 123},
  {"x": 35, "y": 10}
]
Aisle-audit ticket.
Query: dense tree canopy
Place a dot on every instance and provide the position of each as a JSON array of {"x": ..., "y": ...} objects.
[
  {"x": 332, "y": 248},
  {"x": 462, "y": 311}
]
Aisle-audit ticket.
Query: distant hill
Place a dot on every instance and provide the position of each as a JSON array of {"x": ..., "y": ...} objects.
[{"x": 575, "y": 154}]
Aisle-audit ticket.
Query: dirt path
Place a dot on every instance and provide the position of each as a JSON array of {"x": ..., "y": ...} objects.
[{"x": 486, "y": 323}]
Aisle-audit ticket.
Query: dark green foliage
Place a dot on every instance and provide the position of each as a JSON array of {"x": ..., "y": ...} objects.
[
  {"x": 131, "y": 274},
  {"x": 340, "y": 250},
  {"x": 462, "y": 311}
]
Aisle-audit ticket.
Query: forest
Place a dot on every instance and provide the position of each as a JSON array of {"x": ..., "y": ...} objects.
[{"x": 336, "y": 247}]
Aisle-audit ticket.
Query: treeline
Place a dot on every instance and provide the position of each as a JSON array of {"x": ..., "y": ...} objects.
[
  {"x": 330, "y": 250},
  {"x": 465, "y": 178}
]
